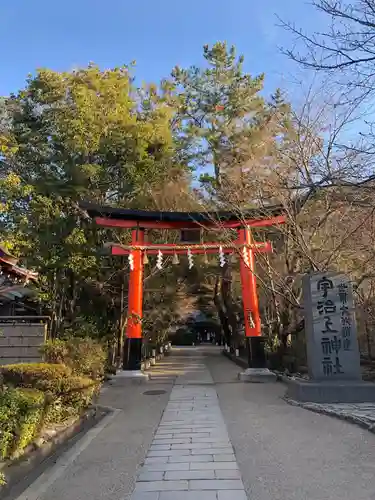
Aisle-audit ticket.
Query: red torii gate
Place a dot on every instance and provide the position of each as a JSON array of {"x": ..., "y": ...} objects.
[{"x": 140, "y": 220}]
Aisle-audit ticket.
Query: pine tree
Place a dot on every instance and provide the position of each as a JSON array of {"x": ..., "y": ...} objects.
[{"x": 233, "y": 136}]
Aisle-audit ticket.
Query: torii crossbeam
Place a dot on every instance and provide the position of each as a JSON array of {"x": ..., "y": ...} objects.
[{"x": 140, "y": 220}]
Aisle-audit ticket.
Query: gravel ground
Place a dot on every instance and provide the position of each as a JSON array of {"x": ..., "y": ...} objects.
[{"x": 288, "y": 453}]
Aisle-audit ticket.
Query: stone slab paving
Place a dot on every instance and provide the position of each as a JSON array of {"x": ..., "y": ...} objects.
[
  {"x": 362, "y": 414},
  {"x": 191, "y": 456}
]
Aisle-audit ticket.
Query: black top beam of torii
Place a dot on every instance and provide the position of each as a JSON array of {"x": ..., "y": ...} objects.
[{"x": 123, "y": 217}]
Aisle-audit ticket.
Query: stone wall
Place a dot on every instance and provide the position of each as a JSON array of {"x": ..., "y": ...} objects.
[{"x": 20, "y": 342}]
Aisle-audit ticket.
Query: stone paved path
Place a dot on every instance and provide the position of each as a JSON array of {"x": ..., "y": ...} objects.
[{"x": 191, "y": 456}]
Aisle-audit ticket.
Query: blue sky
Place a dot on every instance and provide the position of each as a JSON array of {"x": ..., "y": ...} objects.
[{"x": 158, "y": 35}]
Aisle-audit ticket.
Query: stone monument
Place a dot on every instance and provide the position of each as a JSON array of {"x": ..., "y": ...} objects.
[{"x": 331, "y": 341}]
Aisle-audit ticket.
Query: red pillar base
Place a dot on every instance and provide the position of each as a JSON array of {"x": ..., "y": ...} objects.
[{"x": 256, "y": 352}]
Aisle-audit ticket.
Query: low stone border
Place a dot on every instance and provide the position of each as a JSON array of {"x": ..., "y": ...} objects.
[
  {"x": 348, "y": 412},
  {"x": 285, "y": 378},
  {"x": 149, "y": 362},
  {"x": 21, "y": 472}
]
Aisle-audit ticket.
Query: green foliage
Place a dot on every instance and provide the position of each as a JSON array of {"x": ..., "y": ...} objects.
[
  {"x": 3, "y": 481},
  {"x": 227, "y": 123},
  {"x": 85, "y": 356},
  {"x": 55, "y": 351},
  {"x": 8, "y": 413},
  {"x": 21, "y": 417},
  {"x": 229, "y": 126},
  {"x": 91, "y": 134},
  {"x": 78, "y": 392},
  {"x": 70, "y": 397},
  {"x": 87, "y": 134},
  {"x": 66, "y": 394},
  {"x": 30, "y": 422},
  {"x": 37, "y": 375}
]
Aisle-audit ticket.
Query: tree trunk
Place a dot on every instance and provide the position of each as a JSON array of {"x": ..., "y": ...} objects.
[
  {"x": 221, "y": 313},
  {"x": 71, "y": 298},
  {"x": 121, "y": 328},
  {"x": 226, "y": 294},
  {"x": 368, "y": 339}
]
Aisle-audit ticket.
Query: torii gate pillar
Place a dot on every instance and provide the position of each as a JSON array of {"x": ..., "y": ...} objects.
[
  {"x": 253, "y": 332},
  {"x": 132, "y": 358}
]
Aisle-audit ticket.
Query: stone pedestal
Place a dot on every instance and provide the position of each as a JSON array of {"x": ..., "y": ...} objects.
[
  {"x": 332, "y": 346},
  {"x": 257, "y": 375},
  {"x": 255, "y": 352},
  {"x": 331, "y": 392},
  {"x": 132, "y": 354},
  {"x": 133, "y": 374}
]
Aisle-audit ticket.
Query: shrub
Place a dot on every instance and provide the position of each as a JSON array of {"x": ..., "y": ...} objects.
[
  {"x": 32, "y": 408},
  {"x": 43, "y": 376},
  {"x": 21, "y": 417},
  {"x": 41, "y": 393},
  {"x": 84, "y": 356},
  {"x": 66, "y": 395},
  {"x": 55, "y": 351},
  {"x": 78, "y": 392},
  {"x": 8, "y": 421},
  {"x": 72, "y": 395}
]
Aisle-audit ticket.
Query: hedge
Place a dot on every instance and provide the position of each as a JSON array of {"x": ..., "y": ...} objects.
[
  {"x": 21, "y": 418},
  {"x": 39, "y": 394},
  {"x": 43, "y": 376},
  {"x": 84, "y": 356},
  {"x": 78, "y": 392},
  {"x": 67, "y": 394}
]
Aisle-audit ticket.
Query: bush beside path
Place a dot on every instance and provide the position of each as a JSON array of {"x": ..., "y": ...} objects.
[{"x": 36, "y": 399}]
